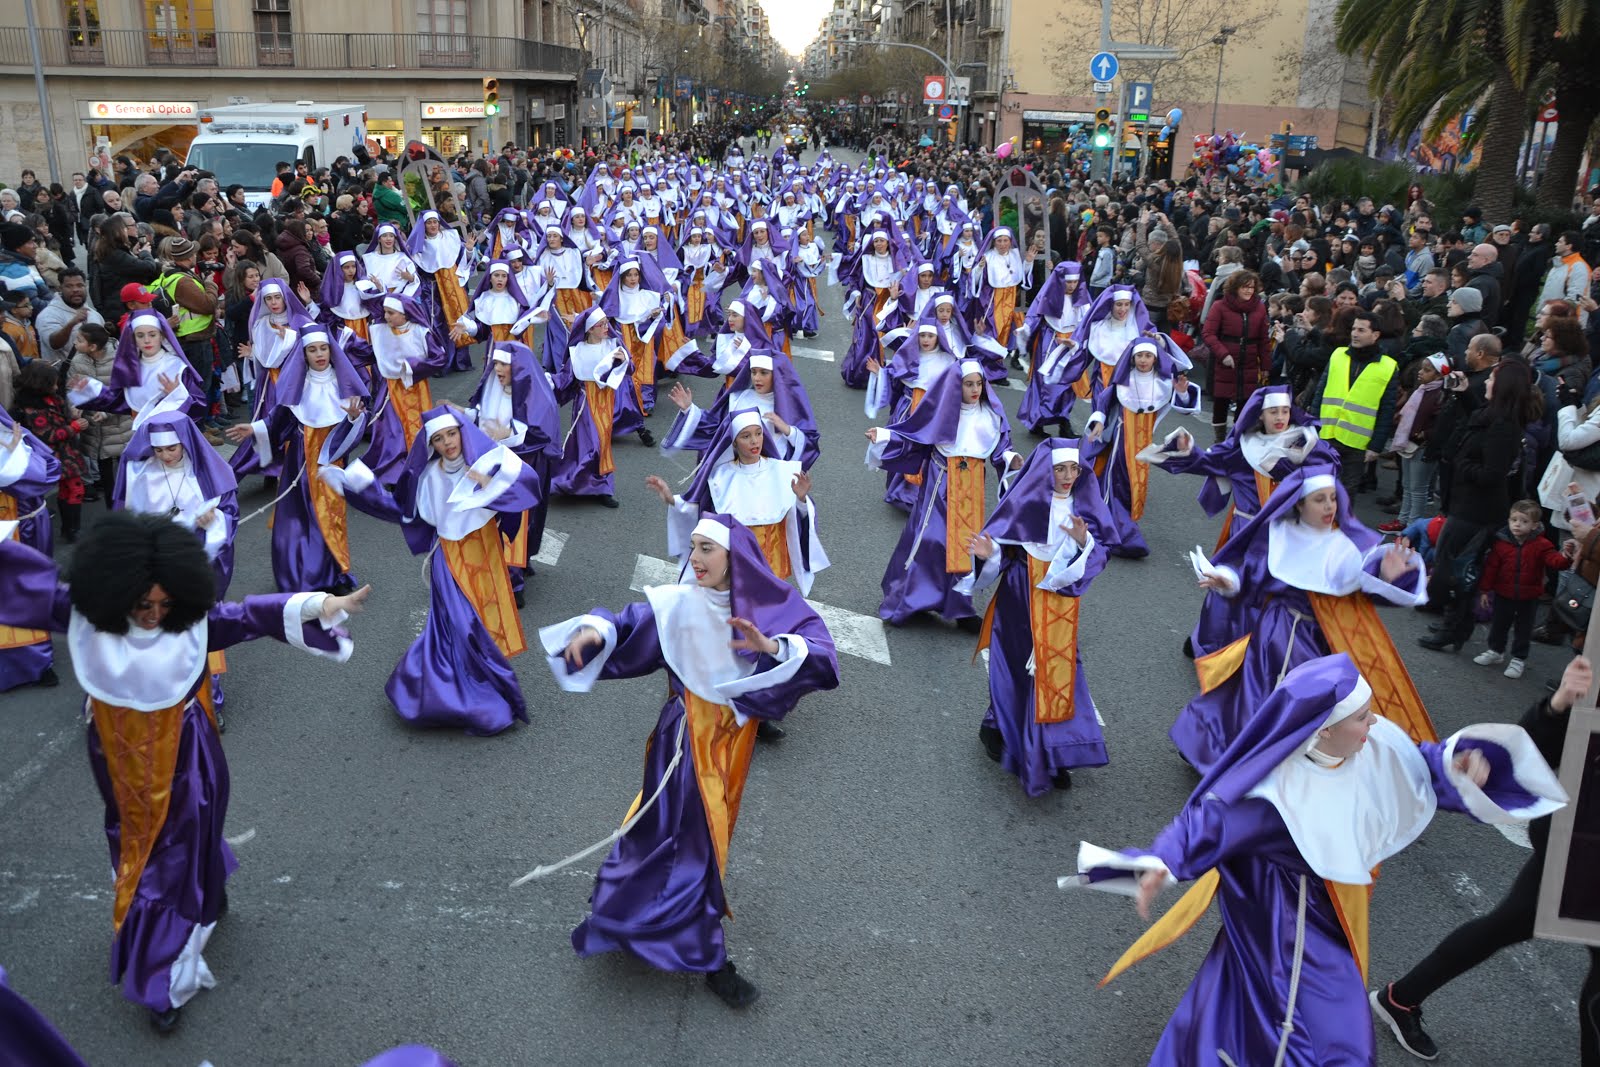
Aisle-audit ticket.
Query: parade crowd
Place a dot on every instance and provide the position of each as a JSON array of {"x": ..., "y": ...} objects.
[{"x": 165, "y": 345}]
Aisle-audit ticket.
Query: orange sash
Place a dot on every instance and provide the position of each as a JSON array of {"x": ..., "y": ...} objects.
[
  {"x": 360, "y": 327},
  {"x": 570, "y": 302},
  {"x": 1054, "y": 620},
  {"x": 1005, "y": 313},
  {"x": 1084, "y": 387},
  {"x": 599, "y": 400},
  {"x": 695, "y": 309},
  {"x": 502, "y": 332},
  {"x": 452, "y": 298},
  {"x": 410, "y": 404},
  {"x": 477, "y": 562},
  {"x": 963, "y": 511},
  {"x": 16, "y": 636},
  {"x": 721, "y": 750},
  {"x": 774, "y": 541},
  {"x": 326, "y": 505},
  {"x": 1264, "y": 489},
  {"x": 516, "y": 548},
  {"x": 1350, "y": 624},
  {"x": 141, "y": 752},
  {"x": 916, "y": 398},
  {"x": 644, "y": 360},
  {"x": 1137, "y": 429},
  {"x": 602, "y": 278}
]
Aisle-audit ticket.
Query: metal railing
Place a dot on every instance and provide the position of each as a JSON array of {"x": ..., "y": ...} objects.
[{"x": 248, "y": 50}]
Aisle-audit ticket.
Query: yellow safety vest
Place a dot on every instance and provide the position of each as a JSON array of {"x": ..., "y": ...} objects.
[
  {"x": 189, "y": 322},
  {"x": 1349, "y": 411}
]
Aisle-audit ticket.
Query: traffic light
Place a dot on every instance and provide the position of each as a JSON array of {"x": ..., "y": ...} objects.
[
  {"x": 1102, "y": 128},
  {"x": 491, "y": 97}
]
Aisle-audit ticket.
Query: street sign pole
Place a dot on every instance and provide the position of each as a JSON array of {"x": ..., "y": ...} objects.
[{"x": 1099, "y": 168}]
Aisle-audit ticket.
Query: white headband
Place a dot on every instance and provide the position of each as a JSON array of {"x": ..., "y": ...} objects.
[
  {"x": 437, "y": 423},
  {"x": 1145, "y": 346},
  {"x": 1345, "y": 708},
  {"x": 928, "y": 327},
  {"x": 1315, "y": 482},
  {"x": 737, "y": 307},
  {"x": 315, "y": 336},
  {"x": 392, "y": 303},
  {"x": 1063, "y": 455},
  {"x": 1440, "y": 362},
  {"x": 744, "y": 420},
  {"x": 502, "y": 356},
  {"x": 499, "y": 268},
  {"x": 943, "y": 298},
  {"x": 760, "y": 362},
  {"x": 163, "y": 439},
  {"x": 971, "y": 366},
  {"x": 1275, "y": 398},
  {"x": 714, "y": 531}
]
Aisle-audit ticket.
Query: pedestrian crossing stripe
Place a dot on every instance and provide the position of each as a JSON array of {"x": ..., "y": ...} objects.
[{"x": 823, "y": 354}]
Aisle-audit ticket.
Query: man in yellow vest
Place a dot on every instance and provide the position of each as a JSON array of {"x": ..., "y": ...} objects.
[
  {"x": 1356, "y": 399},
  {"x": 194, "y": 306}
]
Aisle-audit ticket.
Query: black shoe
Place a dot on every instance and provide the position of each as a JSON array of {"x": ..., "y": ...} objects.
[
  {"x": 993, "y": 742},
  {"x": 49, "y": 679},
  {"x": 1547, "y": 636},
  {"x": 608, "y": 502},
  {"x": 164, "y": 1022},
  {"x": 270, "y": 484},
  {"x": 969, "y": 624},
  {"x": 222, "y": 909},
  {"x": 767, "y": 730},
  {"x": 1015, "y": 362},
  {"x": 344, "y": 586},
  {"x": 1404, "y": 1023},
  {"x": 1387, "y": 501},
  {"x": 91, "y": 496},
  {"x": 1188, "y": 646},
  {"x": 646, "y": 438},
  {"x": 1038, "y": 430},
  {"x": 1061, "y": 780},
  {"x": 732, "y": 990},
  {"x": 1441, "y": 641},
  {"x": 522, "y": 601}
]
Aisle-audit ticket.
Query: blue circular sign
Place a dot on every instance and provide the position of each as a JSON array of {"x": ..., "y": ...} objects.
[
  {"x": 1104, "y": 66},
  {"x": 946, "y": 112}
]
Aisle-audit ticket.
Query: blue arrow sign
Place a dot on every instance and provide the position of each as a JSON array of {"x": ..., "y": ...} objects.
[{"x": 1104, "y": 66}]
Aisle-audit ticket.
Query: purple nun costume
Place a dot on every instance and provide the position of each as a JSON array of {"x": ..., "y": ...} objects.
[
  {"x": 28, "y": 471},
  {"x": 911, "y": 373},
  {"x": 348, "y": 310},
  {"x": 311, "y": 428},
  {"x": 405, "y": 360},
  {"x": 135, "y": 386},
  {"x": 1049, "y": 335},
  {"x": 202, "y": 481},
  {"x": 942, "y": 432},
  {"x": 525, "y": 418},
  {"x": 660, "y": 893},
  {"x": 456, "y": 673},
  {"x": 153, "y": 744},
  {"x": 28, "y": 1038},
  {"x": 694, "y": 428},
  {"x": 1101, "y": 340},
  {"x": 432, "y": 255},
  {"x": 1030, "y": 531},
  {"x": 1272, "y": 565},
  {"x": 1126, "y": 414},
  {"x": 595, "y": 377},
  {"x": 274, "y": 338},
  {"x": 1286, "y": 837}
]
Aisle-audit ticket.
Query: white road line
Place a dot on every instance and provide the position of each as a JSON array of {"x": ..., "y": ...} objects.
[
  {"x": 854, "y": 634},
  {"x": 1019, "y": 384},
  {"x": 23, "y": 776},
  {"x": 1516, "y": 833},
  {"x": 550, "y": 548},
  {"x": 823, "y": 354}
]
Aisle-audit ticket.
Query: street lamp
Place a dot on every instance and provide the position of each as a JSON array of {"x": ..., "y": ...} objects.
[{"x": 1221, "y": 41}]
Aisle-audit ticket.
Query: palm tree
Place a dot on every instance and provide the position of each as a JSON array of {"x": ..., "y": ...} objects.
[{"x": 1573, "y": 48}]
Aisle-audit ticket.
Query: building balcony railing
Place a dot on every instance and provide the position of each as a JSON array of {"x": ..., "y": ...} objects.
[{"x": 248, "y": 50}]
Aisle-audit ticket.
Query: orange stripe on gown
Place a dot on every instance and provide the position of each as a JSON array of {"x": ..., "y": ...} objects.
[
  {"x": 570, "y": 302},
  {"x": 602, "y": 278},
  {"x": 644, "y": 360},
  {"x": 963, "y": 511},
  {"x": 669, "y": 338},
  {"x": 1265, "y": 487},
  {"x": 501, "y": 331},
  {"x": 141, "y": 753},
  {"x": 1138, "y": 427},
  {"x": 695, "y": 302},
  {"x": 1084, "y": 388},
  {"x": 1054, "y": 620},
  {"x": 477, "y": 562},
  {"x": 1217, "y": 667},
  {"x": 916, "y": 398},
  {"x": 1061, "y": 339},
  {"x": 452, "y": 298},
  {"x": 360, "y": 327},
  {"x": 1350, "y": 624},
  {"x": 774, "y": 541},
  {"x": 327, "y": 505},
  {"x": 16, "y": 636},
  {"x": 410, "y": 404},
  {"x": 516, "y": 548},
  {"x": 1005, "y": 313},
  {"x": 721, "y": 750},
  {"x": 599, "y": 400}
]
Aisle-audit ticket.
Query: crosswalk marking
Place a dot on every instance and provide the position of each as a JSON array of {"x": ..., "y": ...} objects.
[
  {"x": 823, "y": 354},
  {"x": 550, "y": 548},
  {"x": 854, "y": 634}
]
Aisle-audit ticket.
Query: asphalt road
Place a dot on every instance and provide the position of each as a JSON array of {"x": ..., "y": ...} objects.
[{"x": 894, "y": 892}]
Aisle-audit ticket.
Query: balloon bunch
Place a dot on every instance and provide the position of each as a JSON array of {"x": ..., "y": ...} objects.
[
  {"x": 1231, "y": 153},
  {"x": 1005, "y": 148}
]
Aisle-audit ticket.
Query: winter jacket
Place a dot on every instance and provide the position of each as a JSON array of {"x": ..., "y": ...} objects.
[
  {"x": 1517, "y": 571},
  {"x": 298, "y": 260},
  {"x": 1486, "y": 279},
  {"x": 107, "y": 438},
  {"x": 115, "y": 271},
  {"x": 390, "y": 205},
  {"x": 1480, "y": 470},
  {"x": 1305, "y": 357},
  {"x": 1462, "y": 330},
  {"x": 20, "y": 276},
  {"x": 1238, "y": 330}
]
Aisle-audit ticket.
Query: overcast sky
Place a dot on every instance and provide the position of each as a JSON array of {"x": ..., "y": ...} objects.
[{"x": 794, "y": 22}]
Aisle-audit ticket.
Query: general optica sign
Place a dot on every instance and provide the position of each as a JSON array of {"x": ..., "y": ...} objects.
[
  {"x": 140, "y": 110},
  {"x": 465, "y": 109}
]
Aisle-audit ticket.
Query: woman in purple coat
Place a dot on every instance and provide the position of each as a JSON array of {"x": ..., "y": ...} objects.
[
  {"x": 1285, "y": 831},
  {"x": 950, "y": 439},
  {"x": 140, "y": 615},
  {"x": 457, "y": 498},
  {"x": 1045, "y": 543},
  {"x": 660, "y": 894},
  {"x": 28, "y": 471}
]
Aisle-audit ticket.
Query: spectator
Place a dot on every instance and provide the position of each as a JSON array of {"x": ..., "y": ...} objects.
[
  {"x": 93, "y": 356},
  {"x": 117, "y": 266},
  {"x": 83, "y": 203},
  {"x": 294, "y": 249},
  {"x": 58, "y": 323},
  {"x": 1473, "y": 230},
  {"x": 1356, "y": 399},
  {"x": 16, "y": 324},
  {"x": 19, "y": 269},
  {"x": 1568, "y": 277},
  {"x": 1412, "y": 427},
  {"x": 390, "y": 203},
  {"x": 1229, "y": 261},
  {"x": 41, "y": 408},
  {"x": 1465, "y": 322},
  {"x": 1514, "y": 575},
  {"x": 1237, "y": 333},
  {"x": 1484, "y": 274}
]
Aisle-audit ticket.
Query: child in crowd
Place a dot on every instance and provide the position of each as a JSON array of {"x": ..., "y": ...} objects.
[
  {"x": 42, "y": 409},
  {"x": 1411, "y": 430},
  {"x": 93, "y": 356},
  {"x": 1514, "y": 571},
  {"x": 136, "y": 298}
]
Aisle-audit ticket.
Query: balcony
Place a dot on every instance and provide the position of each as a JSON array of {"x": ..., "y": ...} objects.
[{"x": 247, "y": 50}]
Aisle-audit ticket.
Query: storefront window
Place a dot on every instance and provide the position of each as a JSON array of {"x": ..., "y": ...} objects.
[
  {"x": 447, "y": 140},
  {"x": 389, "y": 135}
]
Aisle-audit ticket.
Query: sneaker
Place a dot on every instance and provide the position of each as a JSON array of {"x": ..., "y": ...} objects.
[
  {"x": 1514, "y": 668},
  {"x": 1404, "y": 1023},
  {"x": 1490, "y": 658},
  {"x": 1392, "y": 526}
]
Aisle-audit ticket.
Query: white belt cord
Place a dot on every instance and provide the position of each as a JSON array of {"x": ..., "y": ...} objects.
[
  {"x": 1294, "y": 975},
  {"x": 927, "y": 516},
  {"x": 1299, "y": 617},
  {"x": 545, "y": 869},
  {"x": 274, "y": 501}
]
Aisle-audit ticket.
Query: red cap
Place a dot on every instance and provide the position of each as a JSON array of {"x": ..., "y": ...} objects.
[{"x": 134, "y": 293}]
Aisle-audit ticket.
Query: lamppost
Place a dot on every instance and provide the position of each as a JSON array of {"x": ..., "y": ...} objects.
[{"x": 1221, "y": 41}]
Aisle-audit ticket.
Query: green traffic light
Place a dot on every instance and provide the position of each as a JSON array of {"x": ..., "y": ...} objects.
[
  {"x": 491, "y": 109},
  {"x": 1102, "y": 140}
]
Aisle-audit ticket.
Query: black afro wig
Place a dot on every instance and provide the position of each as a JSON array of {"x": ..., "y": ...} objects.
[{"x": 123, "y": 555}]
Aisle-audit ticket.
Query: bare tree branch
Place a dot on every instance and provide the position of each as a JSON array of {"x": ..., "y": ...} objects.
[{"x": 1187, "y": 26}]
